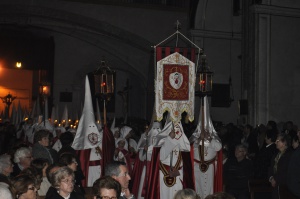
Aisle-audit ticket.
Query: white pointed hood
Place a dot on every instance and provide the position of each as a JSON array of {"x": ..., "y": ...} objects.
[
  {"x": 168, "y": 127},
  {"x": 124, "y": 131},
  {"x": 65, "y": 116},
  {"x": 53, "y": 118},
  {"x": 180, "y": 136},
  {"x": 151, "y": 138},
  {"x": 87, "y": 135},
  {"x": 204, "y": 122},
  {"x": 113, "y": 127}
]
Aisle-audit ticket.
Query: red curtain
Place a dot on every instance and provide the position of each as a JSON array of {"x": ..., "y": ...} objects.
[{"x": 162, "y": 52}]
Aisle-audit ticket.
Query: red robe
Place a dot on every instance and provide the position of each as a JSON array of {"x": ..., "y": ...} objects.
[
  {"x": 153, "y": 190},
  {"x": 136, "y": 174},
  {"x": 108, "y": 143},
  {"x": 218, "y": 178}
]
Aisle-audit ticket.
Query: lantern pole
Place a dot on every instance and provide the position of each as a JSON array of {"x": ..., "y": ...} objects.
[
  {"x": 104, "y": 112},
  {"x": 8, "y": 99},
  {"x": 45, "y": 92},
  {"x": 104, "y": 85}
]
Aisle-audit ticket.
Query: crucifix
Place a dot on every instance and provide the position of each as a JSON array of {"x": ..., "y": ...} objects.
[{"x": 175, "y": 151}]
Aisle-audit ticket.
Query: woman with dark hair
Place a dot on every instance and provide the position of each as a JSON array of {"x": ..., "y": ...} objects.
[
  {"x": 41, "y": 142},
  {"x": 279, "y": 167},
  {"x": 24, "y": 187},
  {"x": 36, "y": 174},
  {"x": 66, "y": 141},
  {"x": 107, "y": 187},
  {"x": 69, "y": 160},
  {"x": 41, "y": 164}
]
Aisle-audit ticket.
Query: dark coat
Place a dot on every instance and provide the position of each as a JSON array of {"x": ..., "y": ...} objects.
[
  {"x": 236, "y": 176},
  {"x": 16, "y": 170},
  {"x": 263, "y": 161},
  {"x": 281, "y": 175},
  {"x": 293, "y": 174},
  {"x": 53, "y": 194},
  {"x": 39, "y": 151}
]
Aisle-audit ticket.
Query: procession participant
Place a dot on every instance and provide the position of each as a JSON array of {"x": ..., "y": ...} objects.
[
  {"x": 126, "y": 132},
  {"x": 56, "y": 141},
  {"x": 88, "y": 141},
  {"x": 122, "y": 154},
  {"x": 142, "y": 161},
  {"x": 29, "y": 131},
  {"x": 206, "y": 144},
  {"x": 171, "y": 162}
]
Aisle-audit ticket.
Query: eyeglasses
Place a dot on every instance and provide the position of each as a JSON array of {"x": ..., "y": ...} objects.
[
  {"x": 31, "y": 188},
  {"x": 106, "y": 197},
  {"x": 67, "y": 181}
]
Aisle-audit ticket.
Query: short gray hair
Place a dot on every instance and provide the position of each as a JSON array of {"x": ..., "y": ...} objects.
[
  {"x": 59, "y": 175},
  {"x": 186, "y": 194},
  {"x": 113, "y": 168},
  {"x": 4, "y": 162},
  {"x": 21, "y": 153}
]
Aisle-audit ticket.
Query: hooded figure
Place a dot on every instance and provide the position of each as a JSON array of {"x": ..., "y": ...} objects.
[
  {"x": 126, "y": 133},
  {"x": 143, "y": 158},
  {"x": 171, "y": 166},
  {"x": 206, "y": 144},
  {"x": 115, "y": 130},
  {"x": 122, "y": 154},
  {"x": 88, "y": 140}
]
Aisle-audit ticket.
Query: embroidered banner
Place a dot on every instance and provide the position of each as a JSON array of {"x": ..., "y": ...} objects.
[
  {"x": 176, "y": 82},
  {"x": 175, "y": 86}
]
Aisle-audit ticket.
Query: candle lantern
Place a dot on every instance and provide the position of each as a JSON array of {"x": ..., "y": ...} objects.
[{"x": 203, "y": 78}]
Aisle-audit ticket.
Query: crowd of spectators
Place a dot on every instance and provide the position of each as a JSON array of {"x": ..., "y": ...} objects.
[{"x": 268, "y": 152}]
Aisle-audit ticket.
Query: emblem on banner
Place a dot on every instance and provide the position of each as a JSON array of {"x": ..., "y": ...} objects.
[
  {"x": 93, "y": 138},
  {"x": 176, "y": 80},
  {"x": 178, "y": 132}
]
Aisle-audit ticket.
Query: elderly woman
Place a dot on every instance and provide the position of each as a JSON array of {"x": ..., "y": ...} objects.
[
  {"x": 24, "y": 187},
  {"x": 41, "y": 142},
  {"x": 63, "y": 181},
  {"x": 6, "y": 167},
  {"x": 186, "y": 194},
  {"x": 22, "y": 159},
  {"x": 107, "y": 187}
]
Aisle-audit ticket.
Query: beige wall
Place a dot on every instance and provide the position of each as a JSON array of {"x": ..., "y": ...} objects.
[{"x": 18, "y": 83}]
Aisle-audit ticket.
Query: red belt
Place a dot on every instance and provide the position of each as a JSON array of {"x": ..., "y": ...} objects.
[
  {"x": 205, "y": 162},
  {"x": 95, "y": 163},
  {"x": 167, "y": 167}
]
